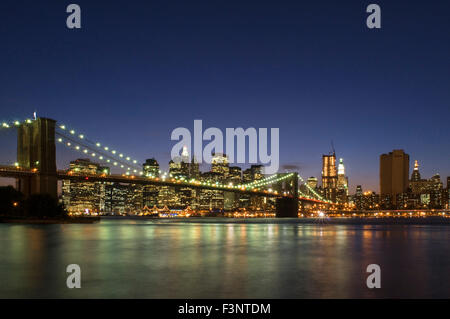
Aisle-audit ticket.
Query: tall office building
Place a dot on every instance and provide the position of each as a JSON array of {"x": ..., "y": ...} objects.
[
  {"x": 415, "y": 177},
  {"x": 219, "y": 164},
  {"x": 151, "y": 167},
  {"x": 116, "y": 198},
  {"x": 211, "y": 199},
  {"x": 447, "y": 203},
  {"x": 358, "y": 198},
  {"x": 175, "y": 168},
  {"x": 84, "y": 196},
  {"x": 150, "y": 192},
  {"x": 329, "y": 176},
  {"x": 194, "y": 170},
  {"x": 394, "y": 171},
  {"x": 235, "y": 175},
  {"x": 342, "y": 182}
]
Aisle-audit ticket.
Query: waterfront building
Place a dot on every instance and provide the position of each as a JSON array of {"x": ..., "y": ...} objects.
[
  {"x": 436, "y": 188},
  {"x": 211, "y": 199},
  {"x": 168, "y": 196},
  {"x": 175, "y": 169},
  {"x": 247, "y": 176},
  {"x": 394, "y": 171},
  {"x": 428, "y": 192},
  {"x": 231, "y": 199},
  {"x": 370, "y": 200},
  {"x": 250, "y": 175},
  {"x": 150, "y": 192},
  {"x": 151, "y": 168},
  {"x": 116, "y": 198},
  {"x": 84, "y": 196},
  {"x": 358, "y": 198},
  {"x": 235, "y": 175},
  {"x": 194, "y": 171}
]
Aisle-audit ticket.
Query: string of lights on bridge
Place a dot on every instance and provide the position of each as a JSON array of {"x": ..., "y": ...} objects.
[
  {"x": 109, "y": 152},
  {"x": 312, "y": 190},
  {"x": 11, "y": 124}
]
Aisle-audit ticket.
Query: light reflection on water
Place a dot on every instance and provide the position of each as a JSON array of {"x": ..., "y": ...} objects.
[{"x": 216, "y": 258}]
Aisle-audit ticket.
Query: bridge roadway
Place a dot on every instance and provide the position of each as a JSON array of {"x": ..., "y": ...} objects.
[{"x": 15, "y": 172}]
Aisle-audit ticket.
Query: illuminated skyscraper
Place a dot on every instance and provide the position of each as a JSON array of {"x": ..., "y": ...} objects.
[
  {"x": 235, "y": 175},
  {"x": 211, "y": 199},
  {"x": 151, "y": 168},
  {"x": 219, "y": 164},
  {"x": 174, "y": 167},
  {"x": 194, "y": 170},
  {"x": 150, "y": 192},
  {"x": 84, "y": 196},
  {"x": 342, "y": 182},
  {"x": 329, "y": 176},
  {"x": 394, "y": 171},
  {"x": 415, "y": 177},
  {"x": 185, "y": 155},
  {"x": 358, "y": 198}
]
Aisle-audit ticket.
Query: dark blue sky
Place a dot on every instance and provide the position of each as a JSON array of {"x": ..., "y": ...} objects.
[{"x": 138, "y": 69}]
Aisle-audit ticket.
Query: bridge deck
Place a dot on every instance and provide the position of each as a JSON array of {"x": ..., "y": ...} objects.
[{"x": 17, "y": 172}]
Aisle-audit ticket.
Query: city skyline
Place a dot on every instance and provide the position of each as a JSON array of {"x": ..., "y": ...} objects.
[
  {"x": 226, "y": 188},
  {"x": 66, "y": 156}
]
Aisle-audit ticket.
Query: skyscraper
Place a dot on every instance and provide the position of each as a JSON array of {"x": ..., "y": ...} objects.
[
  {"x": 359, "y": 197},
  {"x": 329, "y": 176},
  {"x": 82, "y": 196},
  {"x": 150, "y": 192},
  {"x": 342, "y": 182},
  {"x": 194, "y": 171},
  {"x": 415, "y": 177},
  {"x": 394, "y": 171},
  {"x": 151, "y": 168},
  {"x": 219, "y": 164}
]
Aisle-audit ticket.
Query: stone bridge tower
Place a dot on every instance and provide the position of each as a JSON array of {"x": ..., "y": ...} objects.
[{"x": 36, "y": 150}]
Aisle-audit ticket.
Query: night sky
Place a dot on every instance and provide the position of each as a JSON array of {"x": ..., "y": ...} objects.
[{"x": 139, "y": 69}]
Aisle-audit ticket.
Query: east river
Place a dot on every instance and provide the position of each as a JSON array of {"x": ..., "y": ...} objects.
[{"x": 224, "y": 258}]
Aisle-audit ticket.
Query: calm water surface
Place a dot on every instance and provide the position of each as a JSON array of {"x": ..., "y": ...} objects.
[{"x": 223, "y": 258}]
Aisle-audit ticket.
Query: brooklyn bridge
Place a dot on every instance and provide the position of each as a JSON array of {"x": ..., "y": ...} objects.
[{"x": 36, "y": 170}]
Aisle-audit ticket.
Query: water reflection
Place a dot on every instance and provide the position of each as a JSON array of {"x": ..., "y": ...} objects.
[{"x": 222, "y": 259}]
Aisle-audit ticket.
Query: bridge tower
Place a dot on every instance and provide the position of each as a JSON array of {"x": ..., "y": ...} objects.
[
  {"x": 36, "y": 150},
  {"x": 288, "y": 206}
]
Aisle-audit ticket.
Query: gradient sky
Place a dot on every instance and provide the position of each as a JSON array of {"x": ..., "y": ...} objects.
[{"x": 138, "y": 69}]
